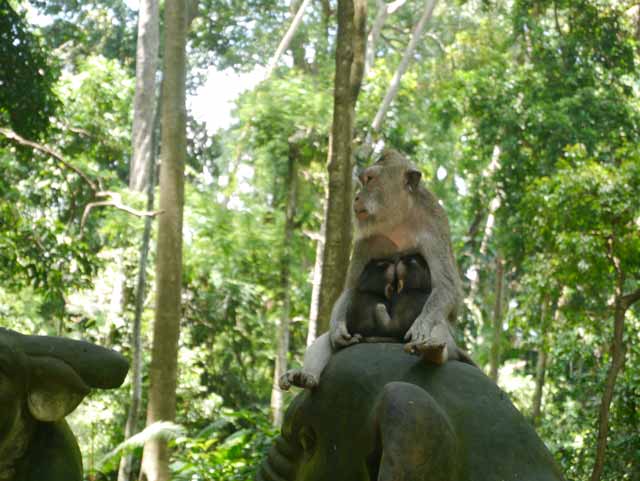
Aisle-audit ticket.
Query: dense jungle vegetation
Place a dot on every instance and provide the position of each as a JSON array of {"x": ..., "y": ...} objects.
[{"x": 523, "y": 115}]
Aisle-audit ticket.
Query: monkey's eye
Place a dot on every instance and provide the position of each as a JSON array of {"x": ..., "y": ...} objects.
[{"x": 368, "y": 179}]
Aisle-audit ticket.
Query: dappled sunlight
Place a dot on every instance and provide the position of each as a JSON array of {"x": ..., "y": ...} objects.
[{"x": 521, "y": 118}]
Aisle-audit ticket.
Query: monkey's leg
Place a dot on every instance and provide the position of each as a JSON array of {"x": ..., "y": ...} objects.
[
  {"x": 418, "y": 441},
  {"x": 315, "y": 359}
]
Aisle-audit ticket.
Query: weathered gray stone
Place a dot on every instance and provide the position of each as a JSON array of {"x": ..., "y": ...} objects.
[
  {"x": 381, "y": 414},
  {"x": 42, "y": 380}
]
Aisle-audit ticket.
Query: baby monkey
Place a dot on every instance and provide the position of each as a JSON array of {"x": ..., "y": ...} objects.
[
  {"x": 368, "y": 314},
  {"x": 389, "y": 297}
]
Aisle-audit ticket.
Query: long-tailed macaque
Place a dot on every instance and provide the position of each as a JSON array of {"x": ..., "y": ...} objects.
[
  {"x": 395, "y": 216},
  {"x": 388, "y": 298}
]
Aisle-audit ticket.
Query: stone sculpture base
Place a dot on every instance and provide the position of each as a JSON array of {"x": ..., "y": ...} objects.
[{"x": 381, "y": 414}]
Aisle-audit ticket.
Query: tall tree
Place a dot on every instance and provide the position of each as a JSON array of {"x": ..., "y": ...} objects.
[
  {"x": 131, "y": 426},
  {"x": 166, "y": 328},
  {"x": 556, "y": 305},
  {"x": 144, "y": 102},
  {"x": 622, "y": 301},
  {"x": 141, "y": 175},
  {"x": 496, "y": 331},
  {"x": 384, "y": 10},
  {"x": 392, "y": 91},
  {"x": 350, "y": 53},
  {"x": 282, "y": 349},
  {"x": 288, "y": 36}
]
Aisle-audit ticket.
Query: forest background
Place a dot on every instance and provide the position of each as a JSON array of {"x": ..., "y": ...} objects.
[{"x": 523, "y": 115}]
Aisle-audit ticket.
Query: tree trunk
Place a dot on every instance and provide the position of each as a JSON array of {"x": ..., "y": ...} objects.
[
  {"x": 541, "y": 372},
  {"x": 473, "y": 273},
  {"x": 384, "y": 10},
  {"x": 618, "y": 350},
  {"x": 323, "y": 42},
  {"x": 277, "y": 407},
  {"x": 374, "y": 34},
  {"x": 166, "y": 328},
  {"x": 359, "y": 42},
  {"x": 131, "y": 427},
  {"x": 404, "y": 64},
  {"x": 312, "y": 330},
  {"x": 351, "y": 18},
  {"x": 145, "y": 95},
  {"x": 543, "y": 359},
  {"x": 494, "y": 355},
  {"x": 286, "y": 40}
]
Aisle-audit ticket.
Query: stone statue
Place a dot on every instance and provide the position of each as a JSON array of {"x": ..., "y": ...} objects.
[
  {"x": 42, "y": 380},
  {"x": 380, "y": 414}
]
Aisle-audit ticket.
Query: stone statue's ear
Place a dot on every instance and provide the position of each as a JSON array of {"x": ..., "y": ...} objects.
[
  {"x": 412, "y": 177},
  {"x": 55, "y": 389}
]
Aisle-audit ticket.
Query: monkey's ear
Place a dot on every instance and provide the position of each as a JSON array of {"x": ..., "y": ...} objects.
[{"x": 412, "y": 177}]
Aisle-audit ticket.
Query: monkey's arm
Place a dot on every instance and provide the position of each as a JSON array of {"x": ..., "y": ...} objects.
[
  {"x": 431, "y": 327},
  {"x": 339, "y": 335}
]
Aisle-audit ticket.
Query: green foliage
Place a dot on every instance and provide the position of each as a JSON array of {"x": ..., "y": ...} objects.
[
  {"x": 549, "y": 86},
  {"x": 585, "y": 214},
  {"x": 97, "y": 27},
  {"x": 237, "y": 33},
  {"x": 546, "y": 89},
  {"x": 96, "y": 125},
  {"x": 44, "y": 200},
  {"x": 229, "y": 449},
  {"x": 27, "y": 100}
]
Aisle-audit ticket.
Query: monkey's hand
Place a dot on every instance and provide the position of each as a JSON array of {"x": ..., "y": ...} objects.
[
  {"x": 340, "y": 337},
  {"x": 429, "y": 339}
]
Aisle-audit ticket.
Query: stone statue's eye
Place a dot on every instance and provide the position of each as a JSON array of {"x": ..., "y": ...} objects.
[{"x": 307, "y": 438}]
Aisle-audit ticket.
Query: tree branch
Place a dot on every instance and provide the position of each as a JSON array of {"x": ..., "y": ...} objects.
[
  {"x": 359, "y": 47},
  {"x": 286, "y": 40},
  {"x": 437, "y": 41},
  {"x": 429, "y": 6},
  {"x": 113, "y": 199},
  {"x": 314, "y": 236},
  {"x": 630, "y": 298},
  {"x": 11, "y": 135},
  {"x": 384, "y": 10}
]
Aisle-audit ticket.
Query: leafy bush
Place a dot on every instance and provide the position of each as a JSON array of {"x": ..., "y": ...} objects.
[{"x": 229, "y": 449}]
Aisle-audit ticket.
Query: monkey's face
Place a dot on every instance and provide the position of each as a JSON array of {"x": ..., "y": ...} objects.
[
  {"x": 371, "y": 195},
  {"x": 384, "y": 197}
]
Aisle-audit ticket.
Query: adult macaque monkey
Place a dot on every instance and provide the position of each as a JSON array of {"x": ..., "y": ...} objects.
[{"x": 395, "y": 215}]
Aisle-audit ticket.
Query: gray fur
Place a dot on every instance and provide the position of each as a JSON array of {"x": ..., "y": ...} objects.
[{"x": 397, "y": 215}]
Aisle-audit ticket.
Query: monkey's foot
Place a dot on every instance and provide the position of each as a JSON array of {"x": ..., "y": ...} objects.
[
  {"x": 431, "y": 350},
  {"x": 297, "y": 378}
]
